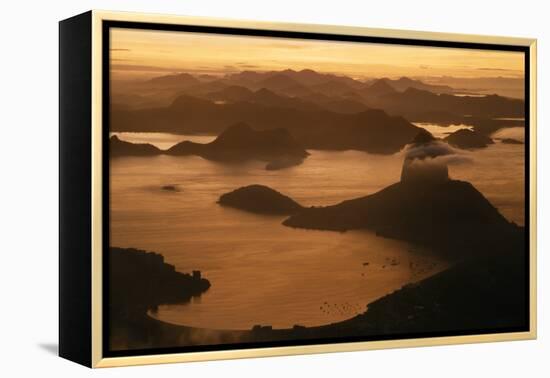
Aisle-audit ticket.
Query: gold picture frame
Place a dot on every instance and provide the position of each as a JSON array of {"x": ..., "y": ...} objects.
[{"x": 90, "y": 329}]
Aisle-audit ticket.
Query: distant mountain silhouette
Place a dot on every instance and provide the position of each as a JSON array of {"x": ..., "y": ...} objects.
[
  {"x": 378, "y": 88},
  {"x": 346, "y": 103},
  {"x": 246, "y": 77},
  {"x": 310, "y": 77},
  {"x": 203, "y": 88},
  {"x": 241, "y": 142},
  {"x": 263, "y": 96},
  {"x": 468, "y": 139},
  {"x": 119, "y": 147},
  {"x": 345, "y": 106},
  {"x": 305, "y": 77},
  {"x": 305, "y": 83},
  {"x": 207, "y": 77},
  {"x": 175, "y": 80},
  {"x": 232, "y": 93},
  {"x": 332, "y": 88},
  {"x": 269, "y": 98},
  {"x": 282, "y": 83},
  {"x": 404, "y": 83},
  {"x": 414, "y": 104},
  {"x": 370, "y": 130},
  {"x": 260, "y": 199},
  {"x": 296, "y": 83},
  {"x": 321, "y": 111}
]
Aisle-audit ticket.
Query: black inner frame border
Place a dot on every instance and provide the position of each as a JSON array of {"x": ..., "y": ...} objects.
[{"x": 106, "y": 27}]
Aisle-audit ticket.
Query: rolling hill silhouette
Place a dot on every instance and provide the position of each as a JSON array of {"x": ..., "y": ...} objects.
[
  {"x": 307, "y": 83},
  {"x": 232, "y": 93},
  {"x": 282, "y": 83},
  {"x": 241, "y": 142},
  {"x": 377, "y": 88},
  {"x": 414, "y": 103},
  {"x": 119, "y": 147},
  {"x": 468, "y": 139},
  {"x": 370, "y": 130},
  {"x": 310, "y": 102},
  {"x": 404, "y": 83},
  {"x": 260, "y": 199},
  {"x": 174, "y": 80}
]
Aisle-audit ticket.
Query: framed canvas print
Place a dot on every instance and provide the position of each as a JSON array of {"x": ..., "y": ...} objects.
[{"x": 235, "y": 189}]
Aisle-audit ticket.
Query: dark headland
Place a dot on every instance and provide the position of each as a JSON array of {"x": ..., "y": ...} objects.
[{"x": 426, "y": 207}]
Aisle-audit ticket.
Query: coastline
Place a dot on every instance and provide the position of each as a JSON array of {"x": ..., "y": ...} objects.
[{"x": 415, "y": 308}]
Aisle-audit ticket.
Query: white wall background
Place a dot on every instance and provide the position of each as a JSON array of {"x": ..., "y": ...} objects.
[{"x": 28, "y": 197}]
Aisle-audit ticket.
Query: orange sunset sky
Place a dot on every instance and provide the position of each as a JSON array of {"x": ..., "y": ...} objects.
[{"x": 146, "y": 53}]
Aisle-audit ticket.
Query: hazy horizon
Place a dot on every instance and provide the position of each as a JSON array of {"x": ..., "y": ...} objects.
[{"x": 140, "y": 53}]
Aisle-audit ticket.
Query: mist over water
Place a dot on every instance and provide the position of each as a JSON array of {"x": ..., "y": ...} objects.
[{"x": 262, "y": 272}]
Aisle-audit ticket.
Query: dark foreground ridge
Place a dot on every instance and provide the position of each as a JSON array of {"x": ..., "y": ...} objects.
[
  {"x": 468, "y": 139},
  {"x": 141, "y": 281},
  {"x": 485, "y": 294},
  {"x": 260, "y": 199}
]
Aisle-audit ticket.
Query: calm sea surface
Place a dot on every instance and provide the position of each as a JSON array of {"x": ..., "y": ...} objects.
[{"x": 262, "y": 272}]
